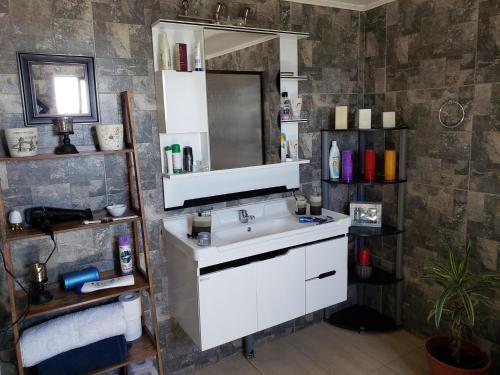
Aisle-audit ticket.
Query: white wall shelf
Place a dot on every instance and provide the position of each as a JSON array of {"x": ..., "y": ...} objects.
[{"x": 179, "y": 188}]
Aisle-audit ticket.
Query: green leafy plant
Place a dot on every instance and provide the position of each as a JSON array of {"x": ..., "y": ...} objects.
[{"x": 462, "y": 292}]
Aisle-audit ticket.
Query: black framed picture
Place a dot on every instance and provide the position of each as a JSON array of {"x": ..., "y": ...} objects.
[{"x": 55, "y": 86}]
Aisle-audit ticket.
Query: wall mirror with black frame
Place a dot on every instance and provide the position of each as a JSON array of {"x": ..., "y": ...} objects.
[
  {"x": 56, "y": 86},
  {"x": 242, "y": 99}
]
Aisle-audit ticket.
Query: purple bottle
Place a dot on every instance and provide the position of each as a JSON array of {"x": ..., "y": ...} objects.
[
  {"x": 347, "y": 166},
  {"x": 126, "y": 256}
]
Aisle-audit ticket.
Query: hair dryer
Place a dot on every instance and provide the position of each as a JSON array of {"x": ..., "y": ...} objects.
[{"x": 45, "y": 217}]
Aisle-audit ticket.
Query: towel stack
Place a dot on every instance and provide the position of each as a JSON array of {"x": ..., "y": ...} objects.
[{"x": 77, "y": 343}]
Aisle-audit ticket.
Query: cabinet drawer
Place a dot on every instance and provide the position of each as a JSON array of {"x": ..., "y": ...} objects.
[
  {"x": 326, "y": 256},
  {"x": 328, "y": 291}
]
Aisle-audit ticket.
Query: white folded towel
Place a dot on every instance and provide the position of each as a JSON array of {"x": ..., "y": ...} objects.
[{"x": 71, "y": 331}]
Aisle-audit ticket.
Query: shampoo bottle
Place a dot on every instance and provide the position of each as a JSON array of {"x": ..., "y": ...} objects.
[{"x": 334, "y": 161}]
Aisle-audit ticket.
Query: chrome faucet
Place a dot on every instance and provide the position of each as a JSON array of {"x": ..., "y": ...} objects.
[
  {"x": 245, "y": 217},
  {"x": 218, "y": 12},
  {"x": 185, "y": 7},
  {"x": 245, "y": 15}
]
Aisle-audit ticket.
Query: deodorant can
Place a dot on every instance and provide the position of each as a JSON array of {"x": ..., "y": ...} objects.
[{"x": 126, "y": 257}]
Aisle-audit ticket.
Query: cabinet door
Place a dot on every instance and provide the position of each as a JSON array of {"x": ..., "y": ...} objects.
[
  {"x": 326, "y": 273},
  {"x": 228, "y": 305},
  {"x": 185, "y": 102},
  {"x": 281, "y": 288}
]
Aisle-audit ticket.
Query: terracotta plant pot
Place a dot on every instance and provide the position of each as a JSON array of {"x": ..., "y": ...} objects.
[{"x": 441, "y": 344}]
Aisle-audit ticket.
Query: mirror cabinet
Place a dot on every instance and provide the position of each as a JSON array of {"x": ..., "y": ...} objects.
[{"x": 226, "y": 107}]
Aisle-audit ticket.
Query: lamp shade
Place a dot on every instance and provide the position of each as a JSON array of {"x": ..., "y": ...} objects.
[{"x": 64, "y": 125}]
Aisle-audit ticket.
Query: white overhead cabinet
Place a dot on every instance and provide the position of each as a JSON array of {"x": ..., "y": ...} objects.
[{"x": 182, "y": 97}]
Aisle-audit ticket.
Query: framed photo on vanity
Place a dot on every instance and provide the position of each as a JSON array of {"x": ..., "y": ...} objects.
[{"x": 366, "y": 214}]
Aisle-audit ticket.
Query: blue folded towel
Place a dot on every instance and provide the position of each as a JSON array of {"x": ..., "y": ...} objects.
[{"x": 82, "y": 360}]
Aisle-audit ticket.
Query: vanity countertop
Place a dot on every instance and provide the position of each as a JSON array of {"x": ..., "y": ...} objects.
[{"x": 275, "y": 227}]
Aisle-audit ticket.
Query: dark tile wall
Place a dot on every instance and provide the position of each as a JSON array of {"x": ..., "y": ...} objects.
[
  {"x": 118, "y": 34},
  {"x": 418, "y": 54}
]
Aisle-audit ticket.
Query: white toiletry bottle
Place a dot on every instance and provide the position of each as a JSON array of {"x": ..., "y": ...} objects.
[
  {"x": 169, "y": 163},
  {"x": 197, "y": 58},
  {"x": 164, "y": 55},
  {"x": 334, "y": 161}
]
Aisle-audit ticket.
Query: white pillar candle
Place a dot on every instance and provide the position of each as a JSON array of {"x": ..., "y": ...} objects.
[
  {"x": 341, "y": 117},
  {"x": 389, "y": 119},
  {"x": 365, "y": 118}
]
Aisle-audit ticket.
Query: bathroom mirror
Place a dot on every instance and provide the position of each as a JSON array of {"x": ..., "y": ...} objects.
[
  {"x": 57, "y": 86},
  {"x": 243, "y": 101}
]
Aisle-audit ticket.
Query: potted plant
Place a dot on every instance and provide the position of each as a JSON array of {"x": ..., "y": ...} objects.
[{"x": 462, "y": 292}]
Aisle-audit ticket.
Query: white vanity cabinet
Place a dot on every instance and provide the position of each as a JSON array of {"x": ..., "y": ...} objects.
[
  {"x": 242, "y": 297},
  {"x": 254, "y": 275}
]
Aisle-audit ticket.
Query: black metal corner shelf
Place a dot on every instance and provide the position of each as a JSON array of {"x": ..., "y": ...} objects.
[
  {"x": 379, "y": 277},
  {"x": 360, "y": 180},
  {"x": 362, "y": 318},
  {"x": 384, "y": 230},
  {"x": 366, "y": 130}
]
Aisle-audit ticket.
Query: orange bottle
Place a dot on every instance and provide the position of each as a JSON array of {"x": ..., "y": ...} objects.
[{"x": 390, "y": 165}]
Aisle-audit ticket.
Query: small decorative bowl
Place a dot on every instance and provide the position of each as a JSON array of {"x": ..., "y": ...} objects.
[{"x": 116, "y": 210}]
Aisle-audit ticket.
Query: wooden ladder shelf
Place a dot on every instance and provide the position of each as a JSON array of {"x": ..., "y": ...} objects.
[{"x": 149, "y": 344}]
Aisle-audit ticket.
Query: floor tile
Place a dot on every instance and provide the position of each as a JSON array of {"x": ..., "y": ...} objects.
[
  {"x": 236, "y": 364},
  {"x": 278, "y": 357},
  {"x": 384, "y": 347},
  {"x": 330, "y": 353},
  {"x": 383, "y": 371},
  {"x": 413, "y": 363}
]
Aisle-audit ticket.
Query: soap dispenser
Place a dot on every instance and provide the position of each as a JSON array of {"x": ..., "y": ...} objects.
[
  {"x": 315, "y": 203},
  {"x": 202, "y": 222}
]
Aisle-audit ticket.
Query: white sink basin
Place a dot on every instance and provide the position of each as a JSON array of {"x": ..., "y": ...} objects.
[
  {"x": 275, "y": 227},
  {"x": 254, "y": 229}
]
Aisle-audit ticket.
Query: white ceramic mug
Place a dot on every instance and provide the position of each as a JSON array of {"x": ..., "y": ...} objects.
[
  {"x": 22, "y": 141},
  {"x": 110, "y": 137}
]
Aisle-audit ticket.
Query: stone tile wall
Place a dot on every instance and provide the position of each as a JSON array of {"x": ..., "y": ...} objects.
[
  {"x": 417, "y": 55},
  {"x": 118, "y": 34}
]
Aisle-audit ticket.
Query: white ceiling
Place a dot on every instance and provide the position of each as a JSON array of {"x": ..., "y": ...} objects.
[{"x": 360, "y": 5}]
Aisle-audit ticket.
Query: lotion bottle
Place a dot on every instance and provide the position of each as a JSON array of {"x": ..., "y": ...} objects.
[
  {"x": 164, "y": 55},
  {"x": 169, "y": 167},
  {"x": 283, "y": 148},
  {"x": 334, "y": 161},
  {"x": 198, "y": 66}
]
